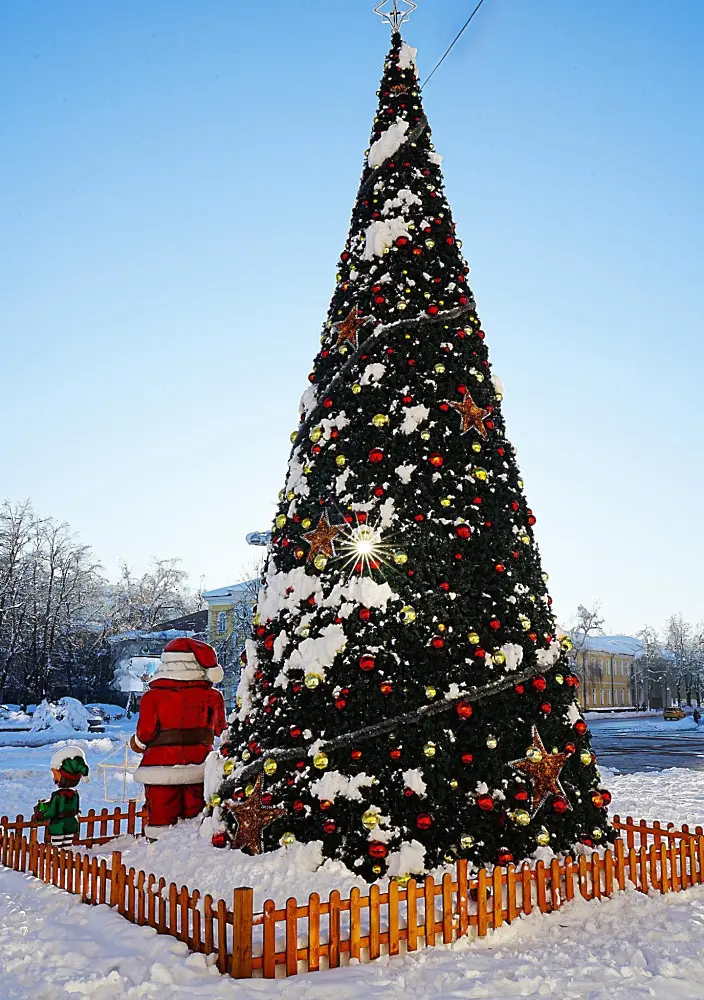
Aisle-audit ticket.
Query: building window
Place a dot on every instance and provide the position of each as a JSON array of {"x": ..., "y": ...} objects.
[
  {"x": 594, "y": 696},
  {"x": 222, "y": 623}
]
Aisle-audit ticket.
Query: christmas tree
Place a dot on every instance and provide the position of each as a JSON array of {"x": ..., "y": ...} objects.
[{"x": 405, "y": 699}]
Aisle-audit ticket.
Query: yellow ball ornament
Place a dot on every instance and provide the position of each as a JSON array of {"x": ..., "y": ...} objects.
[
  {"x": 521, "y": 817},
  {"x": 246, "y": 755},
  {"x": 466, "y": 841},
  {"x": 445, "y": 502},
  {"x": 356, "y": 388},
  {"x": 370, "y": 820},
  {"x": 525, "y": 539},
  {"x": 559, "y": 679},
  {"x": 281, "y": 521},
  {"x": 215, "y": 800},
  {"x": 312, "y": 680},
  {"x": 476, "y": 447},
  {"x": 288, "y": 839},
  {"x": 321, "y": 761},
  {"x": 481, "y": 474},
  {"x": 566, "y": 643},
  {"x": 498, "y": 658},
  {"x": 270, "y": 766},
  {"x": 439, "y": 369},
  {"x": 585, "y": 758},
  {"x": 533, "y": 753},
  {"x": 542, "y": 837},
  {"x": 340, "y": 461},
  {"x": 492, "y": 742},
  {"x": 316, "y": 434},
  {"x": 597, "y": 834},
  {"x": 377, "y": 869},
  {"x": 429, "y": 749},
  {"x": 248, "y": 789},
  {"x": 454, "y": 783},
  {"x": 400, "y": 558},
  {"x": 306, "y": 522},
  {"x": 473, "y": 637},
  {"x": 380, "y": 419},
  {"x": 408, "y": 615},
  {"x": 425, "y": 435},
  {"x": 228, "y": 767},
  {"x": 431, "y": 692},
  {"x": 320, "y": 561},
  {"x": 291, "y": 494}
]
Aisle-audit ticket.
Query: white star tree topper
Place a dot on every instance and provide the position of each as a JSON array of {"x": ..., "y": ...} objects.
[{"x": 395, "y": 12}]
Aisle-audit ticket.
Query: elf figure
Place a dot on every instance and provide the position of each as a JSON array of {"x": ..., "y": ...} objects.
[
  {"x": 179, "y": 718},
  {"x": 68, "y": 767}
]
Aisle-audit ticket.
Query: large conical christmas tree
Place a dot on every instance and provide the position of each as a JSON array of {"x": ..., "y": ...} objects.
[{"x": 405, "y": 699}]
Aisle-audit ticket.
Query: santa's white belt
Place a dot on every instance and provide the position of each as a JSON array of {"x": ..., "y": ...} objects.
[{"x": 170, "y": 774}]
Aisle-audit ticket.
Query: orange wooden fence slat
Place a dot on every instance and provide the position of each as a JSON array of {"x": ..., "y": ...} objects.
[
  {"x": 393, "y": 903},
  {"x": 412, "y": 915},
  {"x": 374, "y": 922},
  {"x": 242, "y": 919},
  {"x": 497, "y": 898},
  {"x": 555, "y": 883},
  {"x": 482, "y": 916},
  {"x": 314, "y": 932},
  {"x": 334, "y": 942},
  {"x": 355, "y": 923},
  {"x": 268, "y": 940},
  {"x": 540, "y": 887},
  {"x": 429, "y": 911},
  {"x": 291, "y": 937}
]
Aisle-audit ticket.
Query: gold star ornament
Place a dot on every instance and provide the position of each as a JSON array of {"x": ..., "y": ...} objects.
[
  {"x": 321, "y": 539},
  {"x": 347, "y": 329},
  {"x": 471, "y": 415},
  {"x": 542, "y": 770},
  {"x": 252, "y": 818}
]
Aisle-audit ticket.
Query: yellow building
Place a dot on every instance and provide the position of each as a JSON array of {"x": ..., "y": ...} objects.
[
  {"x": 229, "y": 625},
  {"x": 604, "y": 664}
]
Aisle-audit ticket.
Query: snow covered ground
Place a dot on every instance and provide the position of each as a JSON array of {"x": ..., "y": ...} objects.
[{"x": 625, "y": 948}]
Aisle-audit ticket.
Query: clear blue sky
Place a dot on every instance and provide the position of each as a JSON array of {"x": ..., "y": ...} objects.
[{"x": 177, "y": 179}]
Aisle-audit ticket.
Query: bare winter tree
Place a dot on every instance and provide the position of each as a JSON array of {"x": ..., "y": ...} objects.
[
  {"x": 588, "y": 622},
  {"x": 680, "y": 641},
  {"x": 141, "y": 602}
]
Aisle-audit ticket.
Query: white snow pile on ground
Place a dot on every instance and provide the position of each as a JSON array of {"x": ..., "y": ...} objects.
[
  {"x": 66, "y": 713},
  {"x": 625, "y": 948},
  {"x": 11, "y": 718}
]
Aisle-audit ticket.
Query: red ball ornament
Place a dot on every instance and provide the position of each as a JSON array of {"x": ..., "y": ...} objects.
[
  {"x": 463, "y": 530},
  {"x": 504, "y": 857},
  {"x": 606, "y": 796},
  {"x": 521, "y": 795},
  {"x": 219, "y": 840},
  {"x": 433, "y": 310},
  {"x": 356, "y": 755},
  {"x": 580, "y": 727},
  {"x": 520, "y": 689},
  {"x": 495, "y": 624},
  {"x": 340, "y": 704},
  {"x": 570, "y": 748},
  {"x": 560, "y": 804},
  {"x": 539, "y": 683},
  {"x": 295, "y": 732},
  {"x": 395, "y": 753},
  {"x": 546, "y": 708},
  {"x": 500, "y": 568},
  {"x": 479, "y": 653},
  {"x": 267, "y": 798},
  {"x": 367, "y": 663},
  {"x": 386, "y": 688},
  {"x": 269, "y": 642},
  {"x": 444, "y": 585},
  {"x": 409, "y": 793},
  {"x": 378, "y": 850},
  {"x": 327, "y": 403},
  {"x": 298, "y": 806},
  {"x": 436, "y": 459},
  {"x": 424, "y": 821},
  {"x": 437, "y": 642},
  {"x": 597, "y": 800},
  {"x": 365, "y": 614},
  {"x": 329, "y": 826},
  {"x": 379, "y": 491},
  {"x": 485, "y": 803},
  {"x": 376, "y": 455},
  {"x": 464, "y": 710},
  {"x": 325, "y": 804}
]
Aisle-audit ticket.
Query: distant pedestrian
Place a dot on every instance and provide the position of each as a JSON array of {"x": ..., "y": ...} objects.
[{"x": 696, "y": 716}]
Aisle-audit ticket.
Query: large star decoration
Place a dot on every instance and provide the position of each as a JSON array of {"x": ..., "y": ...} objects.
[
  {"x": 347, "y": 328},
  {"x": 544, "y": 774},
  {"x": 321, "y": 539},
  {"x": 252, "y": 818},
  {"x": 471, "y": 414}
]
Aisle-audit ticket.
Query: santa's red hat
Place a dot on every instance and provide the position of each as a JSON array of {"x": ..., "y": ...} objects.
[{"x": 189, "y": 660}]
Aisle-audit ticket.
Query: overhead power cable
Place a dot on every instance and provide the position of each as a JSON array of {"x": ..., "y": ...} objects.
[{"x": 451, "y": 47}]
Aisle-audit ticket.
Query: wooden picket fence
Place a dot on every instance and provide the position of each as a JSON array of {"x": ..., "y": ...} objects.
[{"x": 327, "y": 934}]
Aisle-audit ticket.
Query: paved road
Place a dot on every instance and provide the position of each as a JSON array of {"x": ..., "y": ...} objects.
[{"x": 647, "y": 744}]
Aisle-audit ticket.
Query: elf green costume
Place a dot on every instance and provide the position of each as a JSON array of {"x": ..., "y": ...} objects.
[{"x": 68, "y": 767}]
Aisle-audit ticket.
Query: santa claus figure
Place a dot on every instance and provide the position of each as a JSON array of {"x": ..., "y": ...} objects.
[{"x": 179, "y": 717}]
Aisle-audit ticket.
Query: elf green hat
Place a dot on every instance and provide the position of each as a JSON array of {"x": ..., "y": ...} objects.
[{"x": 71, "y": 760}]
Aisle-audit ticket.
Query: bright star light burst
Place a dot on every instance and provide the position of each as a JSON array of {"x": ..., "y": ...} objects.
[{"x": 363, "y": 550}]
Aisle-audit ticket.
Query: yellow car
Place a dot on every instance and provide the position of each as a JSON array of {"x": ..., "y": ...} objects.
[{"x": 673, "y": 714}]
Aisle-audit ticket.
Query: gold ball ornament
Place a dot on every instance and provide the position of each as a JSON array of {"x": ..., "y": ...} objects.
[
  {"x": 306, "y": 522},
  {"x": 445, "y": 502},
  {"x": 525, "y": 539},
  {"x": 320, "y": 561},
  {"x": 408, "y": 615},
  {"x": 566, "y": 643},
  {"x": 248, "y": 789},
  {"x": 321, "y": 761},
  {"x": 215, "y": 800},
  {"x": 425, "y": 435},
  {"x": 291, "y": 494},
  {"x": 481, "y": 474},
  {"x": 533, "y": 753},
  {"x": 439, "y": 369},
  {"x": 316, "y": 434},
  {"x": 473, "y": 637},
  {"x": 476, "y": 447},
  {"x": 454, "y": 783},
  {"x": 228, "y": 767},
  {"x": 492, "y": 742},
  {"x": 380, "y": 419},
  {"x": 585, "y": 758},
  {"x": 356, "y": 388},
  {"x": 521, "y": 817},
  {"x": 431, "y": 692},
  {"x": 559, "y": 679},
  {"x": 288, "y": 839},
  {"x": 498, "y": 658},
  {"x": 340, "y": 460},
  {"x": 429, "y": 749},
  {"x": 281, "y": 521},
  {"x": 466, "y": 841},
  {"x": 377, "y": 869},
  {"x": 312, "y": 680},
  {"x": 292, "y": 436},
  {"x": 370, "y": 820},
  {"x": 400, "y": 558},
  {"x": 270, "y": 766},
  {"x": 597, "y": 834},
  {"x": 246, "y": 755},
  {"x": 542, "y": 837}
]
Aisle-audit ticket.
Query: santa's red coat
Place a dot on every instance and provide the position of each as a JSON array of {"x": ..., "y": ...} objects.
[{"x": 182, "y": 706}]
